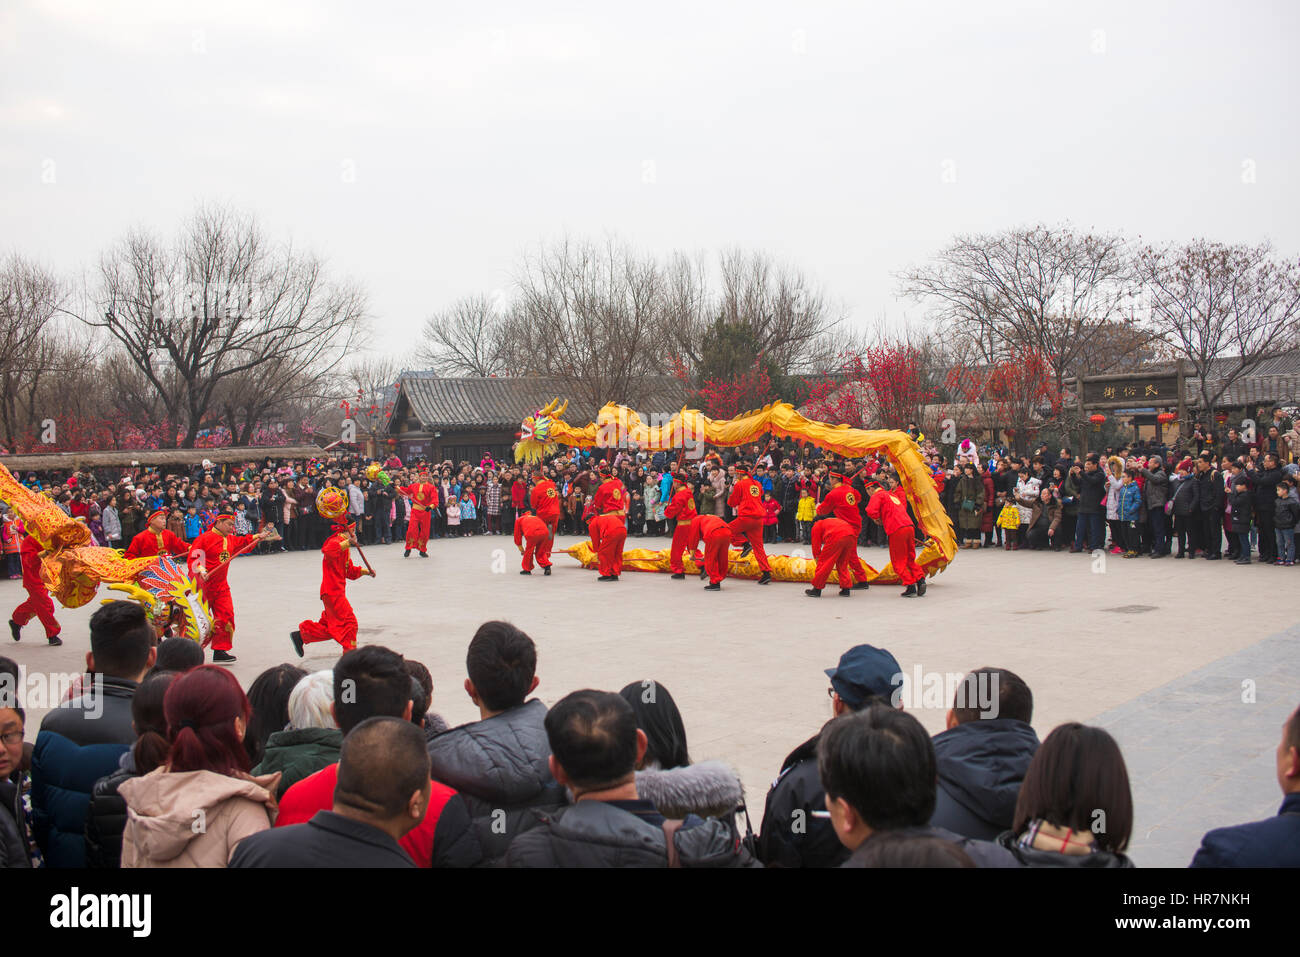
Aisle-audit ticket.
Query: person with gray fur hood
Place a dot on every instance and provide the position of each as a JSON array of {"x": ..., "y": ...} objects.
[{"x": 499, "y": 764}]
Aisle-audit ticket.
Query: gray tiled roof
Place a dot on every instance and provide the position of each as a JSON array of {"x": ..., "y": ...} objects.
[{"x": 503, "y": 402}]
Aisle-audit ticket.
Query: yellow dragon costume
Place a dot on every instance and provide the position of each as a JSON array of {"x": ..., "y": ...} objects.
[
  {"x": 73, "y": 569},
  {"x": 541, "y": 435}
]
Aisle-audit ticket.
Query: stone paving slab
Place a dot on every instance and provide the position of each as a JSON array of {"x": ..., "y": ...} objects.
[{"x": 745, "y": 665}]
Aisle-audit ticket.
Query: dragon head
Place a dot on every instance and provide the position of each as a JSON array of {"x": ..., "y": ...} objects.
[{"x": 535, "y": 432}]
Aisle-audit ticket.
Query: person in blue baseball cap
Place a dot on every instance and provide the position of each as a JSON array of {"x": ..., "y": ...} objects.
[{"x": 797, "y": 830}]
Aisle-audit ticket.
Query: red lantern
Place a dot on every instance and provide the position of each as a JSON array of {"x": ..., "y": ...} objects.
[
  {"x": 1221, "y": 417},
  {"x": 1096, "y": 418},
  {"x": 1164, "y": 418}
]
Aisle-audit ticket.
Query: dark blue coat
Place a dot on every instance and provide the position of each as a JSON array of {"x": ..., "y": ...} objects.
[
  {"x": 981, "y": 765},
  {"x": 1274, "y": 842},
  {"x": 79, "y": 742}
]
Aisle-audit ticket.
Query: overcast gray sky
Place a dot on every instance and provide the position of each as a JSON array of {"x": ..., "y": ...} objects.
[{"x": 423, "y": 147}]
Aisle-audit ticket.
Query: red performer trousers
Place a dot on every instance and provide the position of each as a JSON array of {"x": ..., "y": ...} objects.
[
  {"x": 37, "y": 605},
  {"x": 539, "y": 547},
  {"x": 836, "y": 554},
  {"x": 902, "y": 553},
  {"x": 681, "y": 535},
  {"x": 338, "y": 623},
  {"x": 610, "y": 550},
  {"x": 750, "y": 529},
  {"x": 417, "y": 530},
  {"x": 218, "y": 597},
  {"x": 716, "y": 547}
]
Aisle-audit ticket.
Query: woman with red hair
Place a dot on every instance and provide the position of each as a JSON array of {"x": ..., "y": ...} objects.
[{"x": 194, "y": 809}]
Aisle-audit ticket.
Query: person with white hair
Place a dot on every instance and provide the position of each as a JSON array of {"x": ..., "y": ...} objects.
[{"x": 312, "y": 740}]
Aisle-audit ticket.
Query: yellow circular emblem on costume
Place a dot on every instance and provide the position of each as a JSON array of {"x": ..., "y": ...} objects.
[
  {"x": 850, "y": 499},
  {"x": 753, "y": 490},
  {"x": 224, "y": 557},
  {"x": 550, "y": 493},
  {"x": 617, "y": 493}
]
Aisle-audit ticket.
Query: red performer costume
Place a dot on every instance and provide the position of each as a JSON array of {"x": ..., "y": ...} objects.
[
  {"x": 216, "y": 547},
  {"x": 533, "y": 538},
  {"x": 842, "y": 501},
  {"x": 747, "y": 499},
  {"x": 423, "y": 496},
  {"x": 339, "y": 622},
  {"x": 608, "y": 533},
  {"x": 681, "y": 507},
  {"x": 889, "y": 508},
  {"x": 716, "y": 535},
  {"x": 834, "y": 541},
  {"x": 611, "y": 498},
  {"x": 545, "y": 502},
  {"x": 38, "y": 603},
  {"x": 156, "y": 539}
]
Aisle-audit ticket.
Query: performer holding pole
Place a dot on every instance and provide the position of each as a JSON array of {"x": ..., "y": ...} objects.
[
  {"x": 834, "y": 541},
  {"x": 38, "y": 603},
  {"x": 156, "y": 539},
  {"x": 423, "y": 496},
  {"x": 716, "y": 535},
  {"x": 682, "y": 508},
  {"x": 210, "y": 556},
  {"x": 842, "y": 502},
  {"x": 611, "y": 497},
  {"x": 339, "y": 621},
  {"x": 533, "y": 538},
  {"x": 545, "y": 503},
  {"x": 747, "y": 499},
  {"x": 889, "y": 509},
  {"x": 608, "y": 533}
]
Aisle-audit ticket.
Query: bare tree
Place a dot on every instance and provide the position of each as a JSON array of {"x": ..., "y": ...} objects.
[
  {"x": 468, "y": 338},
  {"x": 1049, "y": 292},
  {"x": 30, "y": 296},
  {"x": 369, "y": 387},
  {"x": 223, "y": 307},
  {"x": 1234, "y": 304}
]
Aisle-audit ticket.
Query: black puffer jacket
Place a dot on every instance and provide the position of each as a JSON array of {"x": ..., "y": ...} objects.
[
  {"x": 13, "y": 845},
  {"x": 500, "y": 767},
  {"x": 981, "y": 765},
  {"x": 981, "y": 853},
  {"x": 608, "y": 834},
  {"x": 1030, "y": 857},
  {"x": 106, "y": 818},
  {"x": 797, "y": 829}
]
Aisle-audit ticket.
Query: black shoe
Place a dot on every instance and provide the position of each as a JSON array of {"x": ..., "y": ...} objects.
[
  {"x": 296, "y": 638},
  {"x": 861, "y": 586},
  {"x": 746, "y": 550},
  {"x": 607, "y": 578},
  {"x": 424, "y": 554},
  {"x": 525, "y": 572},
  {"x": 846, "y": 593},
  {"x": 716, "y": 586},
  {"x": 703, "y": 574},
  {"x": 16, "y": 630},
  {"x": 546, "y": 570},
  {"x": 920, "y": 587},
  {"x": 766, "y": 577},
  {"x": 1242, "y": 561},
  {"x": 406, "y": 554},
  {"x": 1179, "y": 555},
  {"x": 909, "y": 592},
  {"x": 54, "y": 641},
  {"x": 223, "y": 658},
  {"x": 1213, "y": 558},
  {"x": 813, "y": 592},
  {"x": 679, "y": 575}
]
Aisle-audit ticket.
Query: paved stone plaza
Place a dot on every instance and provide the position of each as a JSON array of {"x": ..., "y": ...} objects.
[{"x": 1162, "y": 653}]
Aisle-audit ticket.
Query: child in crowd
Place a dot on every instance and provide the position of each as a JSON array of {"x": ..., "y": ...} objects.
[
  {"x": 193, "y": 523},
  {"x": 1009, "y": 522},
  {"x": 1286, "y": 512},
  {"x": 468, "y": 512},
  {"x": 773, "y": 510},
  {"x": 1239, "y": 517},
  {"x": 1130, "y": 511},
  {"x": 588, "y": 513},
  {"x": 804, "y": 514},
  {"x": 636, "y": 515},
  {"x": 12, "y": 533},
  {"x": 453, "y": 518}
]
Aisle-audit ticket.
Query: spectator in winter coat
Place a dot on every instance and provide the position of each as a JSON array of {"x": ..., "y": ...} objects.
[
  {"x": 1156, "y": 492},
  {"x": 1274, "y": 842},
  {"x": 983, "y": 755},
  {"x": 17, "y": 846},
  {"x": 1185, "y": 492},
  {"x": 1286, "y": 513},
  {"x": 877, "y": 767},
  {"x": 84, "y": 739},
  {"x": 595, "y": 748},
  {"x": 1241, "y": 503},
  {"x": 499, "y": 764},
  {"x": 312, "y": 739},
  {"x": 1077, "y": 774}
]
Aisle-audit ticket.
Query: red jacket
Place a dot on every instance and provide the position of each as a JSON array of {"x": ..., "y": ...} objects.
[
  {"x": 217, "y": 548},
  {"x": 842, "y": 502},
  {"x": 611, "y": 497},
  {"x": 681, "y": 506},
  {"x": 773, "y": 509},
  {"x": 529, "y": 526},
  {"x": 831, "y": 532},
  {"x": 747, "y": 499},
  {"x": 31, "y": 558},
  {"x": 545, "y": 500},
  {"x": 890, "y": 510},
  {"x": 422, "y": 494},
  {"x": 702, "y": 526},
  {"x": 518, "y": 493},
  {"x": 337, "y": 568},
  {"x": 147, "y": 545},
  {"x": 436, "y": 841}
]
